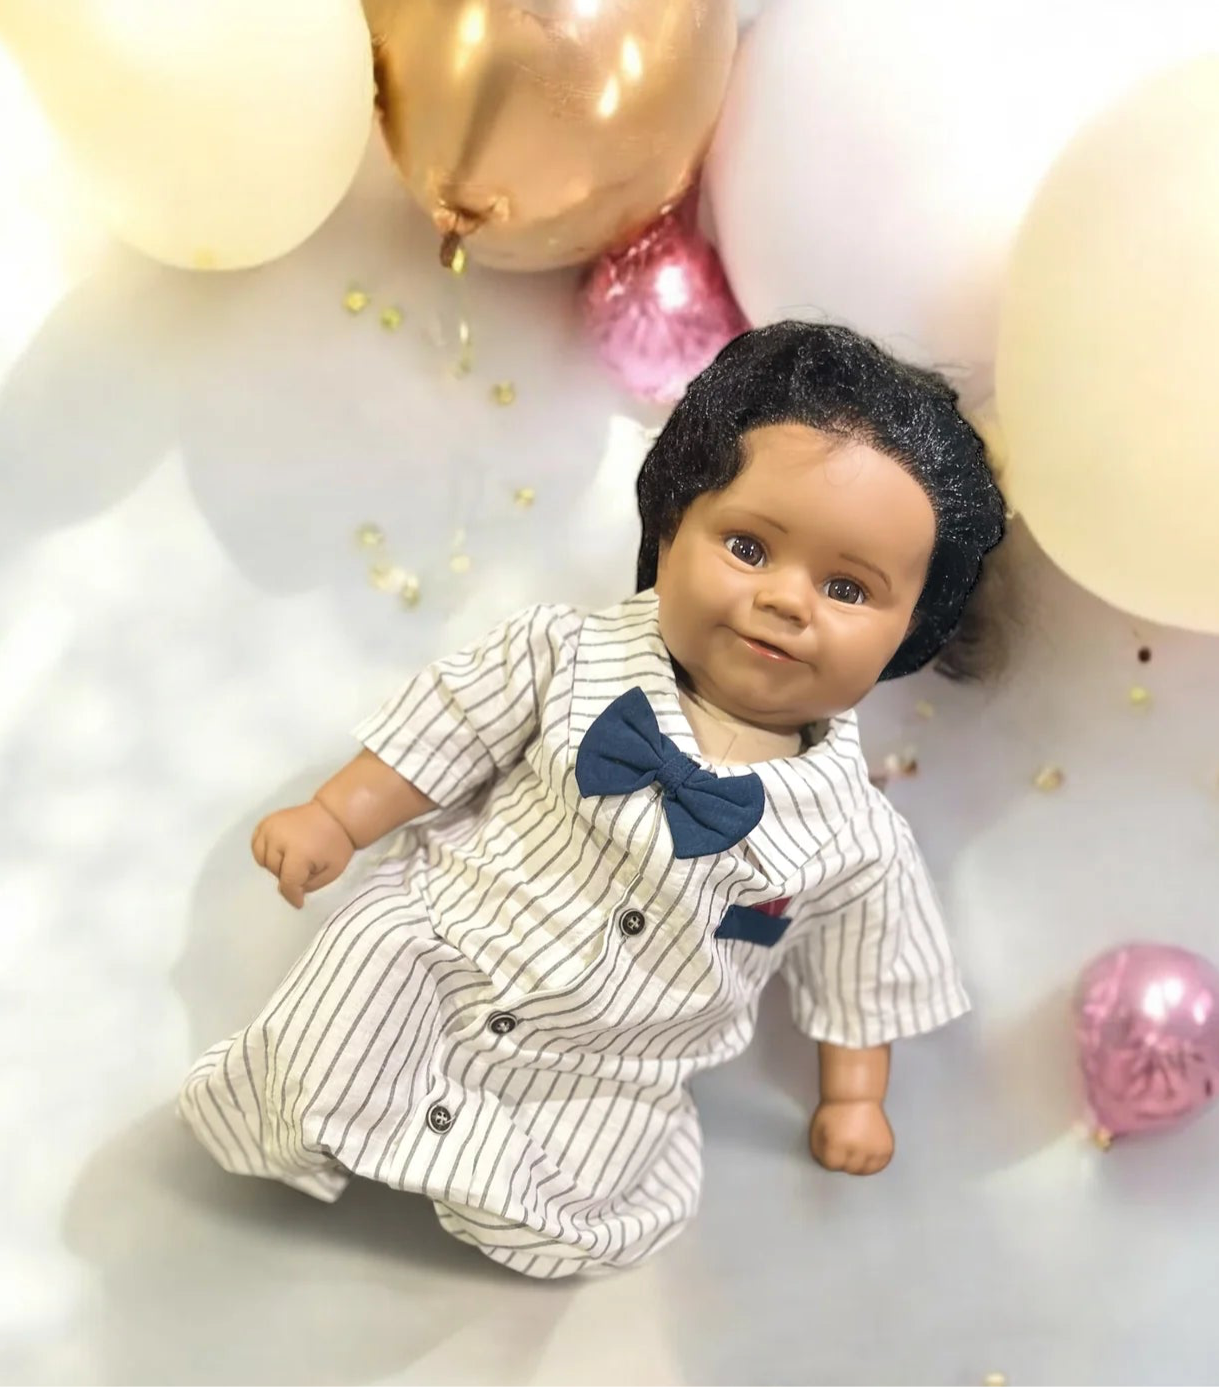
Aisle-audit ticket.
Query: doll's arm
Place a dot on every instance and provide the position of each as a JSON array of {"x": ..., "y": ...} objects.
[
  {"x": 854, "y": 1076},
  {"x": 369, "y": 799},
  {"x": 470, "y": 716},
  {"x": 867, "y": 962},
  {"x": 442, "y": 736},
  {"x": 309, "y": 846},
  {"x": 850, "y": 1130}
]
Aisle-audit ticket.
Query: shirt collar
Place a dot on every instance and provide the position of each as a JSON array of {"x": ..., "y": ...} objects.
[{"x": 809, "y": 796}]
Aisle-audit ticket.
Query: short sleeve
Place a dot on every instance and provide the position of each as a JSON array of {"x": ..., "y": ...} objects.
[
  {"x": 470, "y": 716},
  {"x": 869, "y": 961}
]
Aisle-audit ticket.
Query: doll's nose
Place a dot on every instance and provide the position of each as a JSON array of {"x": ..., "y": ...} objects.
[{"x": 788, "y": 597}]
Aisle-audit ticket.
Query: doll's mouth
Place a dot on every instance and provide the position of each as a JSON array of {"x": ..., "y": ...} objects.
[{"x": 765, "y": 649}]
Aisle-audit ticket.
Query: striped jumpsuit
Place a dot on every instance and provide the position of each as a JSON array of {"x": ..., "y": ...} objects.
[{"x": 506, "y": 1016}]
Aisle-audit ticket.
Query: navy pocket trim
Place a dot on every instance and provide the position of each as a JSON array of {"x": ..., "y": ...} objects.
[{"x": 754, "y": 926}]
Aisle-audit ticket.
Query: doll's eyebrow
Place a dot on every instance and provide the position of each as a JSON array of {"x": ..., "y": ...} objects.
[
  {"x": 872, "y": 567},
  {"x": 766, "y": 520}
]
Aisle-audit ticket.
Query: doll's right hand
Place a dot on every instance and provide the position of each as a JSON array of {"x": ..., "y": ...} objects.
[{"x": 305, "y": 847}]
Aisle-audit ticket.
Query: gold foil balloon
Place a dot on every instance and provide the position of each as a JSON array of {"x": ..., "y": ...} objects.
[{"x": 544, "y": 132}]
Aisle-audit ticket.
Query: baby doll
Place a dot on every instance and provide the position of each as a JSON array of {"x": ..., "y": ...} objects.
[{"x": 621, "y": 825}]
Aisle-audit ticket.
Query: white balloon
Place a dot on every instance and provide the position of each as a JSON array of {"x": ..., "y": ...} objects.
[
  {"x": 874, "y": 157},
  {"x": 214, "y": 135},
  {"x": 1106, "y": 378}
]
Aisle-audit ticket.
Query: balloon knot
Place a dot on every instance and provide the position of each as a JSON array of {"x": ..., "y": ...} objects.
[{"x": 451, "y": 243}]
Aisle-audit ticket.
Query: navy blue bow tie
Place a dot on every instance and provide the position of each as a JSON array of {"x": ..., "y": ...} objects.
[{"x": 625, "y": 750}]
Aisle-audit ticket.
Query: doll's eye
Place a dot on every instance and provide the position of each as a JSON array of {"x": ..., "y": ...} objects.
[
  {"x": 845, "y": 590},
  {"x": 746, "y": 549}
]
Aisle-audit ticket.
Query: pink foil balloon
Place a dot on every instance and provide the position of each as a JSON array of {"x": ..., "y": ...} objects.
[
  {"x": 1146, "y": 1022},
  {"x": 661, "y": 309}
]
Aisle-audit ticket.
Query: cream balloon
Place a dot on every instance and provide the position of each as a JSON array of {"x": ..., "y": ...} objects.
[
  {"x": 213, "y": 136},
  {"x": 1106, "y": 373},
  {"x": 874, "y": 157}
]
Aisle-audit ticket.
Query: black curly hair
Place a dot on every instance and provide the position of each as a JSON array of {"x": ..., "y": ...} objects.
[{"x": 832, "y": 379}]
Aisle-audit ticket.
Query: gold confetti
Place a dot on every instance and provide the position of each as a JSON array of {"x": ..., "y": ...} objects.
[
  {"x": 387, "y": 577},
  {"x": 901, "y": 765},
  {"x": 925, "y": 709},
  {"x": 523, "y": 497},
  {"x": 370, "y": 537},
  {"x": 995, "y": 1380},
  {"x": 1048, "y": 778},
  {"x": 462, "y": 365},
  {"x": 504, "y": 392},
  {"x": 204, "y": 259},
  {"x": 457, "y": 265},
  {"x": 460, "y": 563},
  {"x": 355, "y": 301},
  {"x": 1102, "y": 1139},
  {"x": 1139, "y": 696},
  {"x": 391, "y": 319},
  {"x": 409, "y": 595}
]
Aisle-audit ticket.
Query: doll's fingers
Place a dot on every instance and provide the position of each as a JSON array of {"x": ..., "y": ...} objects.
[
  {"x": 829, "y": 1154},
  {"x": 294, "y": 895},
  {"x": 322, "y": 876},
  {"x": 825, "y": 1151},
  {"x": 266, "y": 854},
  {"x": 293, "y": 891},
  {"x": 294, "y": 872}
]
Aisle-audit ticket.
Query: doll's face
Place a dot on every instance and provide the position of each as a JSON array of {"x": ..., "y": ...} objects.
[{"x": 785, "y": 595}]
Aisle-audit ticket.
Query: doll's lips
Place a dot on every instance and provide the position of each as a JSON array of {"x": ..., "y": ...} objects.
[{"x": 768, "y": 651}]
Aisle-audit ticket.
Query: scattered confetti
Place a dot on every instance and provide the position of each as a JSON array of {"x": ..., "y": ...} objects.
[
  {"x": 461, "y": 367},
  {"x": 391, "y": 319},
  {"x": 1144, "y": 655},
  {"x": 204, "y": 259},
  {"x": 370, "y": 537},
  {"x": 387, "y": 577},
  {"x": 355, "y": 301},
  {"x": 901, "y": 765},
  {"x": 460, "y": 563},
  {"x": 523, "y": 497},
  {"x": 896, "y": 766},
  {"x": 504, "y": 392},
  {"x": 925, "y": 709},
  {"x": 409, "y": 595},
  {"x": 458, "y": 264},
  {"x": 1048, "y": 778},
  {"x": 1139, "y": 696},
  {"x": 995, "y": 1380}
]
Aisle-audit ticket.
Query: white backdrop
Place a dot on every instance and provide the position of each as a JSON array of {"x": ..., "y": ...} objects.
[{"x": 186, "y": 632}]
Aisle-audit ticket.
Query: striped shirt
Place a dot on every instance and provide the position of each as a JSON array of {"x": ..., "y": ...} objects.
[{"x": 507, "y": 1015}]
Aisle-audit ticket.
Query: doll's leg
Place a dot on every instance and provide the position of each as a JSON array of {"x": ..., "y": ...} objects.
[
  {"x": 304, "y": 1091},
  {"x": 222, "y": 1102},
  {"x": 587, "y": 1216},
  {"x": 522, "y": 1250}
]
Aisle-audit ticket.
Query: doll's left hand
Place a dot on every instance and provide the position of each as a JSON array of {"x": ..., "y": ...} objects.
[{"x": 852, "y": 1136}]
